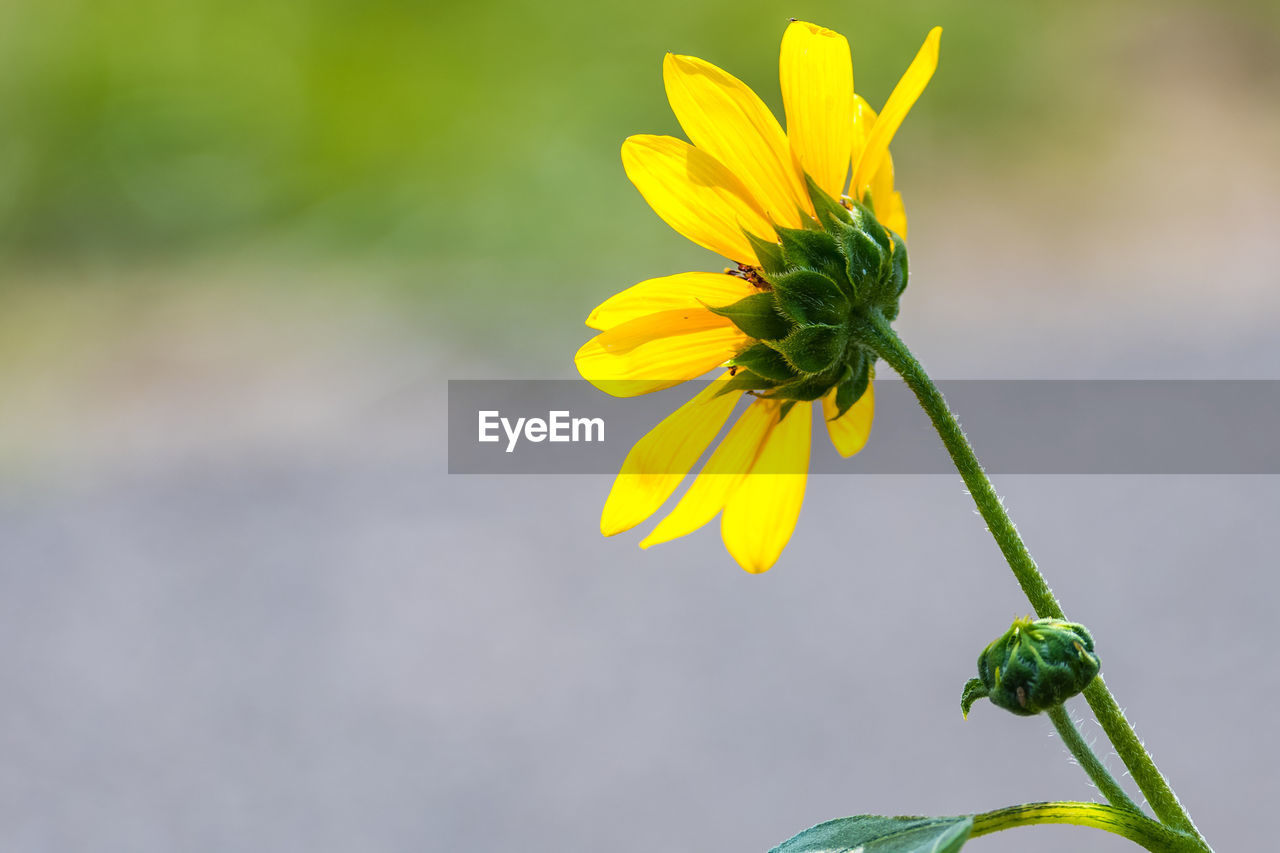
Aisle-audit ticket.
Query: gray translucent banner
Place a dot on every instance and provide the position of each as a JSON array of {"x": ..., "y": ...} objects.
[{"x": 1016, "y": 426}]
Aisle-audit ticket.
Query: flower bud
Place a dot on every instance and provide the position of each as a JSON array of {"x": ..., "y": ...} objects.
[{"x": 1034, "y": 666}]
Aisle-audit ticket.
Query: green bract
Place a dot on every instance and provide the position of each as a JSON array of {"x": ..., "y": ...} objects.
[
  {"x": 822, "y": 285},
  {"x": 1034, "y": 666}
]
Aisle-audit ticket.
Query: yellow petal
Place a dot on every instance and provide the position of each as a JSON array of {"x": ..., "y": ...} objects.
[
  {"x": 849, "y": 433},
  {"x": 658, "y": 351},
  {"x": 724, "y": 118},
  {"x": 658, "y": 462},
  {"x": 894, "y": 215},
  {"x": 888, "y": 202},
  {"x": 725, "y": 468},
  {"x": 683, "y": 291},
  {"x": 817, "y": 92},
  {"x": 882, "y": 185},
  {"x": 695, "y": 194},
  {"x": 864, "y": 118},
  {"x": 761, "y": 513},
  {"x": 895, "y": 109}
]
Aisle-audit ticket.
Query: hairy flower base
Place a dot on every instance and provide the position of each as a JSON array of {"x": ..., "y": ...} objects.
[
  {"x": 785, "y": 321},
  {"x": 818, "y": 287}
]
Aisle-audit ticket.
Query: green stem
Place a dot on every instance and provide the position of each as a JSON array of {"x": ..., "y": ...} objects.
[
  {"x": 1089, "y": 760},
  {"x": 882, "y": 339},
  {"x": 1138, "y": 828}
]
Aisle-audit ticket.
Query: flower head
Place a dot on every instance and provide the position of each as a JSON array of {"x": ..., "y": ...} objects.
[{"x": 816, "y": 229}]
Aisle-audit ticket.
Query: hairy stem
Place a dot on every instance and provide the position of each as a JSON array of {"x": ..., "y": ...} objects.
[
  {"x": 880, "y": 336},
  {"x": 1089, "y": 760}
]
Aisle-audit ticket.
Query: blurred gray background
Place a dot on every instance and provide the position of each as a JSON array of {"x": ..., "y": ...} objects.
[{"x": 242, "y": 605}]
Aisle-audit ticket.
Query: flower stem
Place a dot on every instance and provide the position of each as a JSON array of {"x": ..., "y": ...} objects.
[
  {"x": 1138, "y": 828},
  {"x": 1089, "y": 760},
  {"x": 884, "y": 341}
]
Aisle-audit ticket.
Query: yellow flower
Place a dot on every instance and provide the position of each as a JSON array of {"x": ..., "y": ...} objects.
[{"x": 741, "y": 183}]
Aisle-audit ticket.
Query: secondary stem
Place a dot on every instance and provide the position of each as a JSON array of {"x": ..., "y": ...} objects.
[
  {"x": 881, "y": 337},
  {"x": 1138, "y": 828},
  {"x": 1092, "y": 765}
]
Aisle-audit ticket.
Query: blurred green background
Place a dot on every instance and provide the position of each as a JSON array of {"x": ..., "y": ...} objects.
[
  {"x": 211, "y": 171},
  {"x": 471, "y": 134}
]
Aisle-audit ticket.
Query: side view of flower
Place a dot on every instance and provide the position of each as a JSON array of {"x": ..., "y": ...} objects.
[{"x": 816, "y": 231}]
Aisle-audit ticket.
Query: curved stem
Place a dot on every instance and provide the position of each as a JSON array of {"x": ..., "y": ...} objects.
[
  {"x": 1138, "y": 828},
  {"x": 882, "y": 339},
  {"x": 1089, "y": 760}
]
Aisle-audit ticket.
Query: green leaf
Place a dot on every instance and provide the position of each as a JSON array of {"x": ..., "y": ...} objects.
[
  {"x": 813, "y": 349},
  {"x": 765, "y": 361},
  {"x": 769, "y": 254},
  {"x": 812, "y": 250},
  {"x": 756, "y": 315},
  {"x": 810, "y": 297},
  {"x": 875, "y": 834}
]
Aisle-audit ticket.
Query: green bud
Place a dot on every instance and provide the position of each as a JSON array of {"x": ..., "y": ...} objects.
[{"x": 1034, "y": 666}]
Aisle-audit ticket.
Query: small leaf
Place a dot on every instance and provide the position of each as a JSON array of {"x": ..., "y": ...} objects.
[
  {"x": 765, "y": 361},
  {"x": 756, "y": 315},
  {"x": 769, "y": 253},
  {"x": 810, "y": 297},
  {"x": 974, "y": 690},
  {"x": 813, "y": 349},
  {"x": 875, "y": 834}
]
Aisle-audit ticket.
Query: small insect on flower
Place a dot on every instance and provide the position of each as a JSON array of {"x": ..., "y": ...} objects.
[{"x": 817, "y": 232}]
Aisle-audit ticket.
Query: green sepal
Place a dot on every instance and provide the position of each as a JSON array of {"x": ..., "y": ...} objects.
[
  {"x": 746, "y": 380},
  {"x": 757, "y": 316},
  {"x": 785, "y": 409},
  {"x": 974, "y": 690},
  {"x": 899, "y": 264},
  {"x": 813, "y": 349},
  {"x": 830, "y": 211},
  {"x": 813, "y": 250},
  {"x": 864, "y": 259},
  {"x": 810, "y": 297},
  {"x": 765, "y": 361},
  {"x": 864, "y": 220},
  {"x": 875, "y": 834},
  {"x": 768, "y": 253},
  {"x": 806, "y": 388},
  {"x": 853, "y": 385}
]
